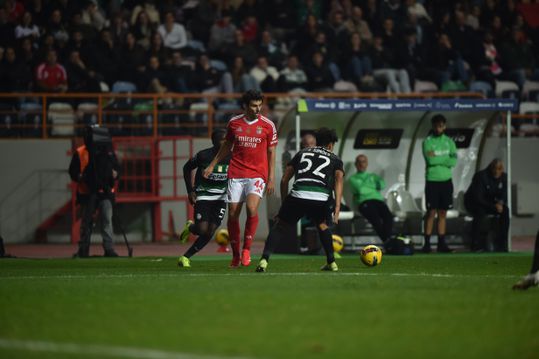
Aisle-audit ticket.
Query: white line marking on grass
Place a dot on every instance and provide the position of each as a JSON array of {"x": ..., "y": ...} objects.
[
  {"x": 253, "y": 274},
  {"x": 100, "y": 350}
]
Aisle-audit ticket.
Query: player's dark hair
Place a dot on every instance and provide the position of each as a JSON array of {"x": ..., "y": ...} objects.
[
  {"x": 325, "y": 136},
  {"x": 217, "y": 135},
  {"x": 251, "y": 95},
  {"x": 438, "y": 118}
]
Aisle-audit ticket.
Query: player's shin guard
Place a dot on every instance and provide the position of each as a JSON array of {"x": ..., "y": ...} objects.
[
  {"x": 234, "y": 235},
  {"x": 327, "y": 243},
  {"x": 250, "y": 231}
]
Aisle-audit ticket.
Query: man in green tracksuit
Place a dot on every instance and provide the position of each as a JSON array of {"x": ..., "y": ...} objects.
[
  {"x": 366, "y": 187},
  {"x": 440, "y": 154}
]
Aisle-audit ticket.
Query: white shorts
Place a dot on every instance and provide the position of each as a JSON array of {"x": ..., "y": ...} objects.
[{"x": 239, "y": 188}]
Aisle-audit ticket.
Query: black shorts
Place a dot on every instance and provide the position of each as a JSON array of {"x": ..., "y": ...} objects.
[
  {"x": 439, "y": 195},
  {"x": 294, "y": 208},
  {"x": 210, "y": 211}
]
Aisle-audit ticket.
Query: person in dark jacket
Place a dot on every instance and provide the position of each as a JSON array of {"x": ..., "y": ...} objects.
[
  {"x": 487, "y": 195},
  {"x": 95, "y": 168}
]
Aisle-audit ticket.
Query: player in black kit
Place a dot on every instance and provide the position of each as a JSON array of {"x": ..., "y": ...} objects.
[
  {"x": 207, "y": 195},
  {"x": 318, "y": 172}
]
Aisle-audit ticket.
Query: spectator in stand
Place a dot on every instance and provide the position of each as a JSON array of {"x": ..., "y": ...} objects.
[
  {"x": 172, "y": 33},
  {"x": 472, "y": 18},
  {"x": 418, "y": 10},
  {"x": 337, "y": 30},
  {"x": 393, "y": 9},
  {"x": 78, "y": 42},
  {"x": 13, "y": 75},
  {"x": 498, "y": 31},
  {"x": 133, "y": 58},
  {"x": 265, "y": 75},
  {"x": 242, "y": 80},
  {"x": 27, "y": 28},
  {"x": 250, "y": 29},
  {"x": 355, "y": 61},
  {"x": 7, "y": 29},
  {"x": 445, "y": 63},
  {"x": 509, "y": 13},
  {"x": 179, "y": 73},
  {"x": 391, "y": 40},
  {"x": 274, "y": 50},
  {"x": 156, "y": 78},
  {"x": 147, "y": 7},
  {"x": 27, "y": 56},
  {"x": 488, "y": 11},
  {"x": 222, "y": 35},
  {"x": 157, "y": 47},
  {"x": 15, "y": 10},
  {"x": 322, "y": 45},
  {"x": 106, "y": 59},
  {"x": 319, "y": 74},
  {"x": 356, "y": 24},
  {"x": 56, "y": 26},
  {"x": 80, "y": 78},
  {"x": 292, "y": 77},
  {"x": 118, "y": 28},
  {"x": 94, "y": 16},
  {"x": 143, "y": 30},
  {"x": 282, "y": 21},
  {"x": 306, "y": 8},
  {"x": 488, "y": 61},
  {"x": 517, "y": 58},
  {"x": 306, "y": 36},
  {"x": 462, "y": 37},
  {"x": 50, "y": 75},
  {"x": 208, "y": 79},
  {"x": 243, "y": 49},
  {"x": 385, "y": 67},
  {"x": 411, "y": 56}
]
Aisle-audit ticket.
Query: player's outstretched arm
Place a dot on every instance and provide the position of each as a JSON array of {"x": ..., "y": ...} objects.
[
  {"x": 224, "y": 151},
  {"x": 188, "y": 168},
  {"x": 339, "y": 179},
  {"x": 270, "y": 187},
  {"x": 287, "y": 175}
]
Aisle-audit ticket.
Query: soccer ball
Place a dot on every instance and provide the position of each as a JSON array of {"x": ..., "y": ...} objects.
[
  {"x": 221, "y": 237},
  {"x": 371, "y": 255},
  {"x": 338, "y": 243}
]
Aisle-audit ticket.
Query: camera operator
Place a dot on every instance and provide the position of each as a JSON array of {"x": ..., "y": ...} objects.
[{"x": 95, "y": 168}]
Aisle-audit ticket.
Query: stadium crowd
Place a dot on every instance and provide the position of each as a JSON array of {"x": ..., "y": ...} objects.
[{"x": 274, "y": 46}]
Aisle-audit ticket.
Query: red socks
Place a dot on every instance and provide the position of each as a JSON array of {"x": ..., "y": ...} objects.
[
  {"x": 250, "y": 231},
  {"x": 234, "y": 235}
]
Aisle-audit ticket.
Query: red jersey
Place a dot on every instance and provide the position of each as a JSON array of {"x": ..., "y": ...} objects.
[
  {"x": 251, "y": 141},
  {"x": 53, "y": 76}
]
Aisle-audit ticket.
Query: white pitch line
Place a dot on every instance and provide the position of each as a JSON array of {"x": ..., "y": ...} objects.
[
  {"x": 100, "y": 350},
  {"x": 253, "y": 274}
]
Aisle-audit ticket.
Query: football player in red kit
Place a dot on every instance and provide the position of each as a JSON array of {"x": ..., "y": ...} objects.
[{"x": 251, "y": 138}]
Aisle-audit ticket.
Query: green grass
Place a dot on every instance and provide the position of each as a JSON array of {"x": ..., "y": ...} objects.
[{"x": 424, "y": 306}]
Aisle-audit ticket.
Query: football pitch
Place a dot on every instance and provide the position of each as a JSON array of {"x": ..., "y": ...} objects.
[{"x": 423, "y": 306}]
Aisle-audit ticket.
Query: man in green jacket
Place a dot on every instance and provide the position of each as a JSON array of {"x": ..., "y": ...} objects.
[
  {"x": 440, "y": 154},
  {"x": 366, "y": 187}
]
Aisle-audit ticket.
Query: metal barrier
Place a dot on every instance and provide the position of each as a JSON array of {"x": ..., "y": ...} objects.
[{"x": 41, "y": 115}]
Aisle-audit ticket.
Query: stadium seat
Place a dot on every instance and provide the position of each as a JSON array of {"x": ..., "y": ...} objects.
[
  {"x": 225, "y": 110},
  {"x": 530, "y": 88},
  {"x": 87, "y": 115},
  {"x": 344, "y": 86},
  {"x": 123, "y": 87},
  {"x": 481, "y": 86},
  {"x": 529, "y": 127},
  {"x": 218, "y": 65},
  {"x": 502, "y": 86},
  {"x": 30, "y": 115},
  {"x": 62, "y": 119},
  {"x": 9, "y": 121},
  {"x": 425, "y": 86}
]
